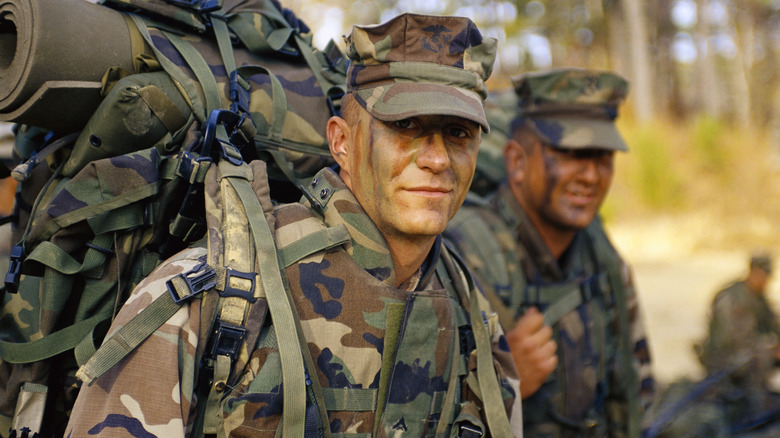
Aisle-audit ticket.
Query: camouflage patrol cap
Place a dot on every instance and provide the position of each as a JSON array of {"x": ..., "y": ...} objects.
[
  {"x": 420, "y": 65},
  {"x": 573, "y": 108}
]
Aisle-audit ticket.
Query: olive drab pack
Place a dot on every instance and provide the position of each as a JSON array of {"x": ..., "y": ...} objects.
[{"x": 104, "y": 198}]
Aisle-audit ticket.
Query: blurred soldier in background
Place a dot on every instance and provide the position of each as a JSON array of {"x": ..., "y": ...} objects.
[
  {"x": 565, "y": 297},
  {"x": 743, "y": 338}
]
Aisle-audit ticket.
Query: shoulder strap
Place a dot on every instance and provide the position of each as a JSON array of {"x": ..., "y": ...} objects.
[
  {"x": 495, "y": 413},
  {"x": 607, "y": 254}
]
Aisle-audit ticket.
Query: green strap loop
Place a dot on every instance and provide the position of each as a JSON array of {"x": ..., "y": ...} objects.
[
  {"x": 52, "y": 344},
  {"x": 184, "y": 83},
  {"x": 321, "y": 240},
  {"x": 56, "y": 258},
  {"x": 279, "y": 99}
]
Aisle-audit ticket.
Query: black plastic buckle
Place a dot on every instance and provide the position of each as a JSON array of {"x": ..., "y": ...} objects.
[
  {"x": 14, "y": 269},
  {"x": 226, "y": 340},
  {"x": 467, "y": 341},
  {"x": 204, "y": 280},
  {"x": 189, "y": 166},
  {"x": 202, "y": 6},
  {"x": 229, "y": 120},
  {"x": 230, "y": 291},
  {"x": 239, "y": 96},
  {"x": 469, "y": 431},
  {"x": 335, "y": 93}
]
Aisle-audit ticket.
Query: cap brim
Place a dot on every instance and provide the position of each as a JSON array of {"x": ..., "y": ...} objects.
[
  {"x": 575, "y": 133},
  {"x": 404, "y": 100}
]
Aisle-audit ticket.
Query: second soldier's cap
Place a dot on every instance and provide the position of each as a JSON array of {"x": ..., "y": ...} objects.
[
  {"x": 761, "y": 261},
  {"x": 573, "y": 108},
  {"x": 417, "y": 65}
]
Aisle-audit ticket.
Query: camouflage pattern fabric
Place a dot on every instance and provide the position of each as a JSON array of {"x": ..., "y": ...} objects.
[
  {"x": 743, "y": 331},
  {"x": 587, "y": 388},
  {"x": 421, "y": 65},
  {"x": 345, "y": 298},
  {"x": 572, "y": 108}
]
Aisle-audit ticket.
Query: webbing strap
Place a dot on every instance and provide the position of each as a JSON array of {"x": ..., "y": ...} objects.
[
  {"x": 321, "y": 240},
  {"x": 562, "y": 305},
  {"x": 222, "y": 33},
  {"x": 279, "y": 108},
  {"x": 201, "y": 69},
  {"x": 281, "y": 309},
  {"x": 350, "y": 399},
  {"x": 612, "y": 264},
  {"x": 128, "y": 338},
  {"x": 314, "y": 63},
  {"x": 52, "y": 344},
  {"x": 56, "y": 258},
  {"x": 492, "y": 401},
  {"x": 186, "y": 86}
]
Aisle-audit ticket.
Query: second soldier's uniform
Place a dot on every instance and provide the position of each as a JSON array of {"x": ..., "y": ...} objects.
[{"x": 587, "y": 295}]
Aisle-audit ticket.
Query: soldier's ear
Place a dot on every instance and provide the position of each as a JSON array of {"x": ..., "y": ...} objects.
[
  {"x": 515, "y": 158},
  {"x": 338, "y": 132}
]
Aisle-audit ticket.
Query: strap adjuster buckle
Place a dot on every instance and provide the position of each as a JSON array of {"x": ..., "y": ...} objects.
[
  {"x": 230, "y": 291},
  {"x": 204, "y": 280},
  {"x": 14, "y": 273},
  {"x": 226, "y": 340}
]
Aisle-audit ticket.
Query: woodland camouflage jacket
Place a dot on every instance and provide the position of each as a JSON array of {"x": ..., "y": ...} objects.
[{"x": 347, "y": 304}]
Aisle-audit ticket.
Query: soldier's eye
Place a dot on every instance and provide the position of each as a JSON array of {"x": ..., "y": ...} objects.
[
  {"x": 457, "y": 131},
  {"x": 403, "y": 124}
]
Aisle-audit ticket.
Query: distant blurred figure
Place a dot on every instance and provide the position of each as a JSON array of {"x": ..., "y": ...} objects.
[{"x": 744, "y": 336}]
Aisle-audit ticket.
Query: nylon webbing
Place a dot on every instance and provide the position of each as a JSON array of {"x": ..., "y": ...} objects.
[
  {"x": 201, "y": 69},
  {"x": 56, "y": 258},
  {"x": 280, "y": 307},
  {"x": 222, "y": 34},
  {"x": 279, "y": 99},
  {"x": 492, "y": 401},
  {"x": 183, "y": 82},
  {"x": 612, "y": 264},
  {"x": 350, "y": 399},
  {"x": 128, "y": 338},
  {"x": 52, "y": 344},
  {"x": 321, "y": 240},
  {"x": 562, "y": 305}
]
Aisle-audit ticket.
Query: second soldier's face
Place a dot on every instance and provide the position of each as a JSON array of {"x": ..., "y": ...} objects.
[
  {"x": 563, "y": 189},
  {"x": 412, "y": 175}
]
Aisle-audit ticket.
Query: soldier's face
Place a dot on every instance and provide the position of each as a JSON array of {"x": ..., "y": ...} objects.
[
  {"x": 563, "y": 189},
  {"x": 411, "y": 176}
]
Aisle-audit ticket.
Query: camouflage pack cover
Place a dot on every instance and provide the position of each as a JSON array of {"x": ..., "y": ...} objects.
[
  {"x": 571, "y": 107},
  {"x": 89, "y": 231}
]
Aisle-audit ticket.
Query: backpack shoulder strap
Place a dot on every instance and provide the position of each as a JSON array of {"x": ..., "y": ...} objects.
[{"x": 607, "y": 255}]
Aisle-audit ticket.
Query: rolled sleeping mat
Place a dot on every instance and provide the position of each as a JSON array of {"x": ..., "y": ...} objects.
[{"x": 53, "y": 54}]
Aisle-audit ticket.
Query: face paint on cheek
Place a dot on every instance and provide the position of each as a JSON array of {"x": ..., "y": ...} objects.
[{"x": 551, "y": 177}]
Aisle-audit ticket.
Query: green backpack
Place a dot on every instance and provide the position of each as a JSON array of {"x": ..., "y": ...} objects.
[{"x": 105, "y": 197}]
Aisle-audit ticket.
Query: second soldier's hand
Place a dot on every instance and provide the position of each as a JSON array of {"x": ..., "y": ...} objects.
[{"x": 533, "y": 350}]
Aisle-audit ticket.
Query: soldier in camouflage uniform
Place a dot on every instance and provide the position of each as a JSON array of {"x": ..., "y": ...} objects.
[
  {"x": 564, "y": 296},
  {"x": 406, "y": 145},
  {"x": 744, "y": 336}
]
